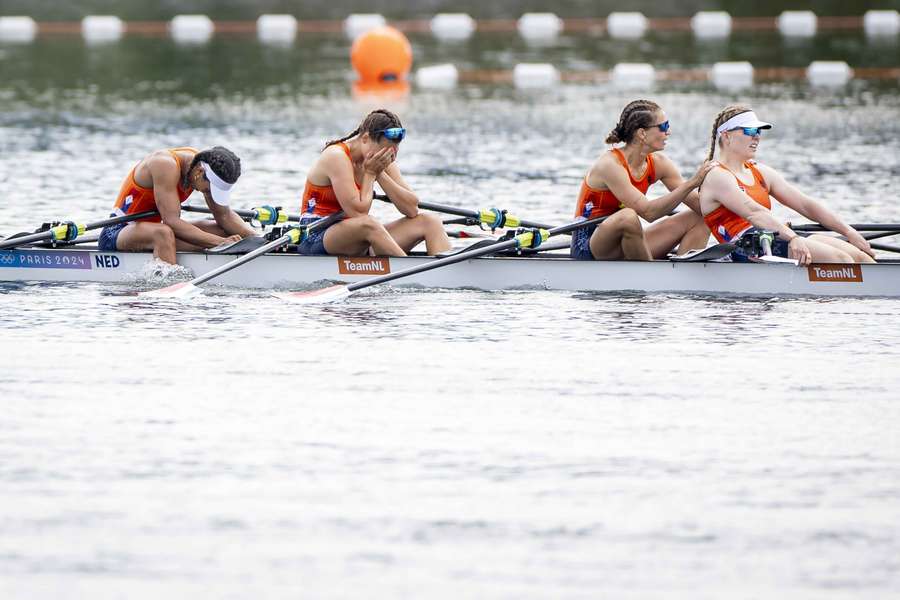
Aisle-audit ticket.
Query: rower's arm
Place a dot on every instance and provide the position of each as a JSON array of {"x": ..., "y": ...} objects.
[
  {"x": 354, "y": 202},
  {"x": 228, "y": 220},
  {"x": 165, "y": 173},
  {"x": 793, "y": 198},
  {"x": 618, "y": 182},
  {"x": 671, "y": 177},
  {"x": 398, "y": 191},
  {"x": 720, "y": 187}
]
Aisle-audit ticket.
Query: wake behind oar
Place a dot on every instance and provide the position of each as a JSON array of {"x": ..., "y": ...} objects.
[{"x": 530, "y": 238}]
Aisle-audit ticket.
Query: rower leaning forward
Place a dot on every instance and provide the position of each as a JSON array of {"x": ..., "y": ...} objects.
[{"x": 162, "y": 181}]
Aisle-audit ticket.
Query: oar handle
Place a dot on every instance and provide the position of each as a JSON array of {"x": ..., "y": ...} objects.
[
  {"x": 461, "y": 212},
  {"x": 285, "y": 239},
  {"x": 856, "y": 226},
  {"x": 47, "y": 235},
  {"x": 248, "y": 215},
  {"x": 474, "y": 253}
]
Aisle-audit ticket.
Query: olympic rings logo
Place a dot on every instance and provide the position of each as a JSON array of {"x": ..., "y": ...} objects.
[{"x": 7, "y": 259}]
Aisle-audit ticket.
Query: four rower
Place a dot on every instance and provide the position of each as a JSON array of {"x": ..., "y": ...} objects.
[
  {"x": 735, "y": 198},
  {"x": 162, "y": 181},
  {"x": 343, "y": 179},
  {"x": 615, "y": 188}
]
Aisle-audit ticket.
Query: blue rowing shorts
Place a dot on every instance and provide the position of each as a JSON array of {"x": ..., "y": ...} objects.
[
  {"x": 314, "y": 244},
  {"x": 108, "y": 237},
  {"x": 580, "y": 247}
]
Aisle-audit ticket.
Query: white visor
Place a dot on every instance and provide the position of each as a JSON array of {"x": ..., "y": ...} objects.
[
  {"x": 218, "y": 188},
  {"x": 745, "y": 119}
]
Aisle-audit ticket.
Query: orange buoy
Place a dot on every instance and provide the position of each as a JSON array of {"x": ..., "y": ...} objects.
[{"x": 381, "y": 54}]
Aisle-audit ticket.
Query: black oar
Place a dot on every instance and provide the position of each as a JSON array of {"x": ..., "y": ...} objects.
[
  {"x": 526, "y": 239},
  {"x": 294, "y": 235},
  {"x": 492, "y": 217},
  {"x": 70, "y": 230},
  {"x": 266, "y": 215}
]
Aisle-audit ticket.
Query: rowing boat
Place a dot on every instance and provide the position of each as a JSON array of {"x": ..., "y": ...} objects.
[{"x": 543, "y": 271}]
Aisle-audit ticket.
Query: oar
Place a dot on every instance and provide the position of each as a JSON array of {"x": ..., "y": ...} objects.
[
  {"x": 70, "y": 230},
  {"x": 295, "y": 235},
  {"x": 531, "y": 239},
  {"x": 266, "y": 215},
  {"x": 492, "y": 217}
]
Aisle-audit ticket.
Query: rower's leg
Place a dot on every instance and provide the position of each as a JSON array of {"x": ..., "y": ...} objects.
[
  {"x": 686, "y": 229},
  {"x": 148, "y": 236},
  {"x": 825, "y": 252},
  {"x": 855, "y": 254},
  {"x": 620, "y": 236},
  {"x": 408, "y": 232},
  {"x": 353, "y": 236}
]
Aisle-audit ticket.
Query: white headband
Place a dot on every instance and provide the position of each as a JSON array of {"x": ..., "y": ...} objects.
[
  {"x": 219, "y": 189},
  {"x": 745, "y": 119}
]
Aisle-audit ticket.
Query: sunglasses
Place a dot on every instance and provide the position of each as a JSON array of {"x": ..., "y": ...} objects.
[
  {"x": 664, "y": 126},
  {"x": 395, "y": 134},
  {"x": 750, "y": 131}
]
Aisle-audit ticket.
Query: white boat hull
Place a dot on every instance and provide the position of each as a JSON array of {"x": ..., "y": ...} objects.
[{"x": 547, "y": 272}]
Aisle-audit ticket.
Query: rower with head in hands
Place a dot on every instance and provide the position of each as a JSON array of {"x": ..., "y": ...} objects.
[
  {"x": 615, "y": 187},
  {"x": 735, "y": 198},
  {"x": 343, "y": 178},
  {"x": 162, "y": 181}
]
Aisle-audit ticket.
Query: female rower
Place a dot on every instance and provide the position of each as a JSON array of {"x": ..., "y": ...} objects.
[
  {"x": 615, "y": 185},
  {"x": 735, "y": 198},
  {"x": 343, "y": 179}
]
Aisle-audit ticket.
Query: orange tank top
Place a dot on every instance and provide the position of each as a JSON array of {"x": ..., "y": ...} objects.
[
  {"x": 321, "y": 200},
  {"x": 601, "y": 203},
  {"x": 724, "y": 224},
  {"x": 134, "y": 198}
]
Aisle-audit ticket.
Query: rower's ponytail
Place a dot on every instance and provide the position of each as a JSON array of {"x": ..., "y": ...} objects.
[
  {"x": 374, "y": 124},
  {"x": 729, "y": 112},
  {"x": 636, "y": 115}
]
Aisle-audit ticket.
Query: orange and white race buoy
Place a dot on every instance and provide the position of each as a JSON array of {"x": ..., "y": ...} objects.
[{"x": 381, "y": 55}]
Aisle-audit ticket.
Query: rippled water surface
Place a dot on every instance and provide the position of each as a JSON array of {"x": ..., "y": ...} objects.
[{"x": 432, "y": 443}]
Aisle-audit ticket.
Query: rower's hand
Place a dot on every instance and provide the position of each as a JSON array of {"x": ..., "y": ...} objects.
[
  {"x": 799, "y": 251},
  {"x": 860, "y": 242},
  {"x": 378, "y": 160},
  {"x": 700, "y": 175}
]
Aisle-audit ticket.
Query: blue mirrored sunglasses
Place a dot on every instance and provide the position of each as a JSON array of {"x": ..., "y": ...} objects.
[
  {"x": 750, "y": 131},
  {"x": 664, "y": 126},
  {"x": 395, "y": 134}
]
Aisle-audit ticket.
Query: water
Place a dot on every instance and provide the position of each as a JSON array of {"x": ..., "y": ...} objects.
[{"x": 432, "y": 443}]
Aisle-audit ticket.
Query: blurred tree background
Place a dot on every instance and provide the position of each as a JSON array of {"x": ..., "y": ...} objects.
[{"x": 64, "y": 10}]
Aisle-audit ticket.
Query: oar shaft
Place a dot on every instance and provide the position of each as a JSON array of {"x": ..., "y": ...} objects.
[
  {"x": 460, "y": 212},
  {"x": 242, "y": 213},
  {"x": 286, "y": 238},
  {"x": 456, "y": 258},
  {"x": 46, "y": 235}
]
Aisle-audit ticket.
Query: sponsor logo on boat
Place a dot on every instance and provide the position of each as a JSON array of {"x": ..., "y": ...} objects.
[
  {"x": 837, "y": 273},
  {"x": 24, "y": 259},
  {"x": 363, "y": 266},
  {"x": 106, "y": 261}
]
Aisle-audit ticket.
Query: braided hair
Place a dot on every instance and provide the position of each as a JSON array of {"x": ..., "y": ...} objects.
[
  {"x": 373, "y": 124},
  {"x": 729, "y": 112},
  {"x": 636, "y": 115}
]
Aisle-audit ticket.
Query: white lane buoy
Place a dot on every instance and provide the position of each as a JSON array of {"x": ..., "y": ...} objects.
[
  {"x": 452, "y": 26},
  {"x": 879, "y": 23},
  {"x": 829, "y": 73},
  {"x": 437, "y": 77},
  {"x": 797, "y": 23},
  {"x": 191, "y": 29},
  {"x": 359, "y": 23},
  {"x": 276, "y": 29},
  {"x": 626, "y": 25},
  {"x": 539, "y": 26},
  {"x": 101, "y": 28},
  {"x": 535, "y": 75},
  {"x": 712, "y": 24},
  {"x": 17, "y": 29},
  {"x": 732, "y": 75},
  {"x": 633, "y": 75}
]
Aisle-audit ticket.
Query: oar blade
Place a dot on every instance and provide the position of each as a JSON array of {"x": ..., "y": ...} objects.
[
  {"x": 181, "y": 290},
  {"x": 334, "y": 293}
]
